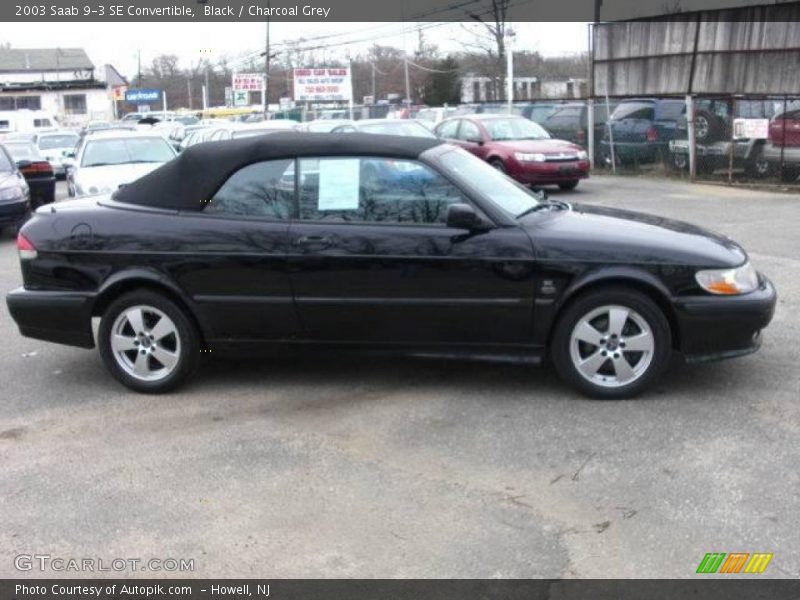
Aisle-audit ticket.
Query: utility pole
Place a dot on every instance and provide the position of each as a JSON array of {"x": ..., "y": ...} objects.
[
  {"x": 408, "y": 87},
  {"x": 510, "y": 72},
  {"x": 266, "y": 68},
  {"x": 207, "y": 91},
  {"x": 189, "y": 92},
  {"x": 405, "y": 60},
  {"x": 374, "y": 97},
  {"x": 139, "y": 67}
]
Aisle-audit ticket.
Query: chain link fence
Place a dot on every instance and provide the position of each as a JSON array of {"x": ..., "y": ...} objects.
[{"x": 736, "y": 139}]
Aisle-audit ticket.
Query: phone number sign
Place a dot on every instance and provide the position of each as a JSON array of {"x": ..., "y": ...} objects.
[{"x": 322, "y": 85}]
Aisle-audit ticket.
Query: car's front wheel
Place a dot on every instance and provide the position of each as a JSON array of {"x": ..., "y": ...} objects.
[
  {"x": 147, "y": 342},
  {"x": 611, "y": 343}
]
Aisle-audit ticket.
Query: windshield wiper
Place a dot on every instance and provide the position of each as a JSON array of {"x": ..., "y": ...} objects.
[{"x": 544, "y": 205}]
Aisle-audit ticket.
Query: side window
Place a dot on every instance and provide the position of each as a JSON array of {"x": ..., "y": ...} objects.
[
  {"x": 263, "y": 189},
  {"x": 374, "y": 190},
  {"x": 670, "y": 111},
  {"x": 469, "y": 132},
  {"x": 448, "y": 129}
]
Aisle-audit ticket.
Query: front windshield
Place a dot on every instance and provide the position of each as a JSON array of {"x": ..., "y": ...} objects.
[
  {"x": 501, "y": 130},
  {"x": 511, "y": 197},
  {"x": 5, "y": 164},
  {"x": 120, "y": 151},
  {"x": 49, "y": 142},
  {"x": 398, "y": 127},
  {"x": 22, "y": 151},
  {"x": 187, "y": 120}
]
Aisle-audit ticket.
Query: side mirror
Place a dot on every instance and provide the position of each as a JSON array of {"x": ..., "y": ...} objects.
[{"x": 463, "y": 216}]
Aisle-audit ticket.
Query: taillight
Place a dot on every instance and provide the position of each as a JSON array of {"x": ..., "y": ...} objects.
[
  {"x": 27, "y": 251},
  {"x": 581, "y": 136},
  {"x": 37, "y": 167},
  {"x": 651, "y": 134}
]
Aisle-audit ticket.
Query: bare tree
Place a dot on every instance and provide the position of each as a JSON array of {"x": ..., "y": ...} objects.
[{"x": 489, "y": 37}]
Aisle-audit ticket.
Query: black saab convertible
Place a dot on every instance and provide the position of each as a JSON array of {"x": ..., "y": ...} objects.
[{"x": 298, "y": 241}]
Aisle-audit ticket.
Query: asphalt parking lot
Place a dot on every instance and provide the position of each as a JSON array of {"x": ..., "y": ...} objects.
[{"x": 386, "y": 468}]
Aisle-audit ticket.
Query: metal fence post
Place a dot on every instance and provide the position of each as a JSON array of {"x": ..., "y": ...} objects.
[
  {"x": 590, "y": 130},
  {"x": 691, "y": 136}
]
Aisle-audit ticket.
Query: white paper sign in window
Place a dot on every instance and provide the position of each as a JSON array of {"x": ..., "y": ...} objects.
[{"x": 338, "y": 184}]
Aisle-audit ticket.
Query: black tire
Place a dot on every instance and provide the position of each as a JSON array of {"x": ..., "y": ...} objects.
[
  {"x": 680, "y": 161},
  {"x": 498, "y": 164},
  {"x": 185, "y": 332},
  {"x": 757, "y": 166},
  {"x": 707, "y": 127},
  {"x": 568, "y": 185},
  {"x": 789, "y": 174},
  {"x": 595, "y": 300}
]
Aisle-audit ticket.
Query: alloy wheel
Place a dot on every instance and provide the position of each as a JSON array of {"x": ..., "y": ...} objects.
[
  {"x": 145, "y": 343},
  {"x": 612, "y": 346}
]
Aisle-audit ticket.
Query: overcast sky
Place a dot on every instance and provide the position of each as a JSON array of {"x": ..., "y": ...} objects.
[{"x": 118, "y": 43}]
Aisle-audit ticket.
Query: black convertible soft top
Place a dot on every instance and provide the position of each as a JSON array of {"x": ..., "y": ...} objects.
[{"x": 186, "y": 182}]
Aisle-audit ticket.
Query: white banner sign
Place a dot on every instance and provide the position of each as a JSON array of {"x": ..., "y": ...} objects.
[
  {"x": 320, "y": 85},
  {"x": 248, "y": 82},
  {"x": 751, "y": 128}
]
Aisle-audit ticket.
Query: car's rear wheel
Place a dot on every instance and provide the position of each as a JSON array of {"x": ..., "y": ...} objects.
[
  {"x": 611, "y": 343},
  {"x": 147, "y": 342},
  {"x": 568, "y": 185}
]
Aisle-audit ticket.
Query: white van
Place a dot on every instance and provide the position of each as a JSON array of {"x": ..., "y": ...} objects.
[{"x": 26, "y": 121}]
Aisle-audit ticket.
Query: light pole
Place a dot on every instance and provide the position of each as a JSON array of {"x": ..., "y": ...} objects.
[{"x": 266, "y": 67}]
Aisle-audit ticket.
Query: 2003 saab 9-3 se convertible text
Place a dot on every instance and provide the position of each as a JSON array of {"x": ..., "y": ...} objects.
[{"x": 377, "y": 243}]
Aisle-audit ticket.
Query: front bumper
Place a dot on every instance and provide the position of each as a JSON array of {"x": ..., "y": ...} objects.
[
  {"x": 550, "y": 172},
  {"x": 14, "y": 212},
  {"x": 61, "y": 317},
  {"x": 716, "y": 327}
]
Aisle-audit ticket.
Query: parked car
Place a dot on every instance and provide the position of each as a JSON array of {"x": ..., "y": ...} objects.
[
  {"x": 435, "y": 114},
  {"x": 25, "y": 120},
  {"x": 782, "y": 152},
  {"x": 538, "y": 110},
  {"x": 498, "y": 108},
  {"x": 404, "y": 127},
  {"x": 716, "y": 137},
  {"x": 323, "y": 125},
  {"x": 37, "y": 172},
  {"x": 15, "y": 197},
  {"x": 55, "y": 146},
  {"x": 518, "y": 147},
  {"x": 233, "y": 131},
  {"x": 106, "y": 160},
  {"x": 641, "y": 130},
  {"x": 570, "y": 122},
  {"x": 174, "y": 264}
]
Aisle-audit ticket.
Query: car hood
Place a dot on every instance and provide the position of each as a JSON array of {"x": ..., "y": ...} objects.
[
  {"x": 8, "y": 179},
  {"x": 55, "y": 153},
  {"x": 109, "y": 178},
  {"x": 548, "y": 146},
  {"x": 600, "y": 234}
]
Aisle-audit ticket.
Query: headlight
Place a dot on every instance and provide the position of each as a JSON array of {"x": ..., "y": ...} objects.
[
  {"x": 530, "y": 157},
  {"x": 82, "y": 189},
  {"x": 12, "y": 193},
  {"x": 582, "y": 155},
  {"x": 728, "y": 282}
]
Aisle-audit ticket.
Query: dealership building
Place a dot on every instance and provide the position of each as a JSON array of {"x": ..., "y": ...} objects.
[{"x": 61, "y": 81}]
